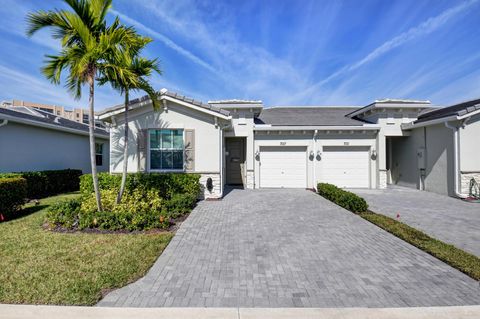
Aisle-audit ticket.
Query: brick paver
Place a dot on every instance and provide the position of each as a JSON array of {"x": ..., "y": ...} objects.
[
  {"x": 291, "y": 248},
  {"x": 448, "y": 219}
]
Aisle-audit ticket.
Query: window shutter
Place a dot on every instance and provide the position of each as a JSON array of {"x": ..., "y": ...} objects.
[
  {"x": 189, "y": 150},
  {"x": 142, "y": 140}
]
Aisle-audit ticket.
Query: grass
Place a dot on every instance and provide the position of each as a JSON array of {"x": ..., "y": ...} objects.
[
  {"x": 43, "y": 267},
  {"x": 457, "y": 258}
]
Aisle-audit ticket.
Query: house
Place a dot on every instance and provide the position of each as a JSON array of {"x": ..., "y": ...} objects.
[
  {"x": 34, "y": 140},
  {"x": 238, "y": 142},
  {"x": 77, "y": 114}
]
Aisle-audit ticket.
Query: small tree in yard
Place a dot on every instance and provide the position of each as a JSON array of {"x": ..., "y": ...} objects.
[
  {"x": 137, "y": 69},
  {"x": 87, "y": 44}
]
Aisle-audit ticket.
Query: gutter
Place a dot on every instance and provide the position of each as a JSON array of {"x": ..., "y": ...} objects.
[
  {"x": 456, "y": 158},
  {"x": 314, "y": 158},
  {"x": 50, "y": 126},
  {"x": 368, "y": 127},
  {"x": 412, "y": 125}
]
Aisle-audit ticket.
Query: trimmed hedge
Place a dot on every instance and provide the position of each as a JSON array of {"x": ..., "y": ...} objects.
[
  {"x": 47, "y": 183},
  {"x": 343, "y": 198},
  {"x": 13, "y": 191},
  {"x": 166, "y": 184}
]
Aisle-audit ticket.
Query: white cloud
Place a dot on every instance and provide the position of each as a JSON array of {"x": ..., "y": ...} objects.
[
  {"x": 166, "y": 40},
  {"x": 422, "y": 29}
]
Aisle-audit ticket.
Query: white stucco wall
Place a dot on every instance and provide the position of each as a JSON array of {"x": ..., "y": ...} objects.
[
  {"x": 208, "y": 148},
  {"x": 439, "y": 168},
  {"x": 242, "y": 126},
  {"x": 30, "y": 148},
  {"x": 323, "y": 139},
  {"x": 470, "y": 146}
]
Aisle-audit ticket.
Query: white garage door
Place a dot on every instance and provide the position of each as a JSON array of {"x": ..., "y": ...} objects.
[
  {"x": 346, "y": 167},
  {"x": 283, "y": 167}
]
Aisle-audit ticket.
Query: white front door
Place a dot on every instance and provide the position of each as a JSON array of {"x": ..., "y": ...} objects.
[
  {"x": 283, "y": 167},
  {"x": 346, "y": 167}
]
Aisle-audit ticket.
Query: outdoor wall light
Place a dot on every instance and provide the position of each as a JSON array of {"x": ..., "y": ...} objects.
[
  {"x": 374, "y": 154},
  {"x": 209, "y": 184},
  {"x": 319, "y": 155},
  {"x": 312, "y": 154},
  {"x": 257, "y": 155}
]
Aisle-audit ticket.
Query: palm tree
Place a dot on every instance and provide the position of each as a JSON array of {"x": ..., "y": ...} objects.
[
  {"x": 86, "y": 42},
  {"x": 138, "y": 69}
]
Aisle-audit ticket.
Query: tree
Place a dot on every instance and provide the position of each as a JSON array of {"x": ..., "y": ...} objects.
[
  {"x": 137, "y": 70},
  {"x": 87, "y": 42}
]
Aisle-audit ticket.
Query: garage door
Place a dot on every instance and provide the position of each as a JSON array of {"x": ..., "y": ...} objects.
[
  {"x": 346, "y": 167},
  {"x": 283, "y": 167}
]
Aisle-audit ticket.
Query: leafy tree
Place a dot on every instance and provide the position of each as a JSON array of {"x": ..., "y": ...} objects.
[
  {"x": 87, "y": 45},
  {"x": 136, "y": 70}
]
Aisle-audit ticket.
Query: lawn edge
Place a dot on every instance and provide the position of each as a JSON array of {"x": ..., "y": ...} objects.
[
  {"x": 447, "y": 253},
  {"x": 441, "y": 253}
]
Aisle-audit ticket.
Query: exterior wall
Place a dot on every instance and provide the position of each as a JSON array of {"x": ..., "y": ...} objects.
[
  {"x": 437, "y": 140},
  {"x": 439, "y": 174},
  {"x": 30, "y": 148},
  {"x": 242, "y": 126},
  {"x": 208, "y": 146},
  {"x": 314, "y": 165},
  {"x": 469, "y": 153},
  {"x": 404, "y": 162}
]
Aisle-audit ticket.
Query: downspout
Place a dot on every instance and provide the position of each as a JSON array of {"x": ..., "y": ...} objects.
[
  {"x": 314, "y": 158},
  {"x": 456, "y": 159},
  {"x": 4, "y": 122}
]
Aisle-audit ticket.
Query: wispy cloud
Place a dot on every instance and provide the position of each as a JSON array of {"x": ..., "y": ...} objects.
[
  {"x": 424, "y": 28},
  {"x": 166, "y": 40}
]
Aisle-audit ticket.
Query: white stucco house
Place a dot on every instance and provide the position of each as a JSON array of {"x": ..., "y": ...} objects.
[
  {"x": 237, "y": 142},
  {"x": 35, "y": 140}
]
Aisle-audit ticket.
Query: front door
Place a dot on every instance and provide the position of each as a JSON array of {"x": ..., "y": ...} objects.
[{"x": 235, "y": 159}]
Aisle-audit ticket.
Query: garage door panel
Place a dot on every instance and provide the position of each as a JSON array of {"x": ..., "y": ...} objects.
[
  {"x": 346, "y": 167},
  {"x": 283, "y": 167}
]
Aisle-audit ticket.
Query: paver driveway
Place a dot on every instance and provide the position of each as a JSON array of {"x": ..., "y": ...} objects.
[
  {"x": 284, "y": 248},
  {"x": 451, "y": 220}
]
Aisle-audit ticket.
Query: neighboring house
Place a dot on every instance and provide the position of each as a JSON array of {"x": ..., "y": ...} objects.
[
  {"x": 235, "y": 142},
  {"x": 34, "y": 140},
  {"x": 77, "y": 114},
  {"x": 443, "y": 147}
]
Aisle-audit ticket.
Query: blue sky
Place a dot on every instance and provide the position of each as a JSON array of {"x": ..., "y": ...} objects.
[{"x": 297, "y": 52}]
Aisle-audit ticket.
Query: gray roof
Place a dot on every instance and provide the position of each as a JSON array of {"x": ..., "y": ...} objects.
[
  {"x": 48, "y": 118},
  {"x": 454, "y": 110},
  {"x": 164, "y": 92},
  {"x": 308, "y": 116}
]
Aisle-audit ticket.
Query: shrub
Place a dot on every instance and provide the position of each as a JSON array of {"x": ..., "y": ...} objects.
[
  {"x": 166, "y": 184},
  {"x": 139, "y": 210},
  {"x": 345, "y": 199},
  {"x": 180, "y": 204},
  {"x": 13, "y": 191},
  {"x": 64, "y": 213},
  {"x": 46, "y": 183}
]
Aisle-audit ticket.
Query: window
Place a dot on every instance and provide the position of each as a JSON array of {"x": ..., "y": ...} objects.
[
  {"x": 99, "y": 154},
  {"x": 166, "y": 149}
]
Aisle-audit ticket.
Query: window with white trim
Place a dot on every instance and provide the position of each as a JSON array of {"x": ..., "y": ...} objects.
[
  {"x": 166, "y": 149},
  {"x": 99, "y": 154}
]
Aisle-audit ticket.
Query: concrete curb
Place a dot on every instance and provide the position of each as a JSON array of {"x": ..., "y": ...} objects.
[{"x": 70, "y": 312}]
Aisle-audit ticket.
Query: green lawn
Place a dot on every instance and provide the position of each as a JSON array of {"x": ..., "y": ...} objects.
[{"x": 43, "y": 267}]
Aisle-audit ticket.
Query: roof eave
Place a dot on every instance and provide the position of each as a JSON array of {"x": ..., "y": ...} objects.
[{"x": 50, "y": 126}]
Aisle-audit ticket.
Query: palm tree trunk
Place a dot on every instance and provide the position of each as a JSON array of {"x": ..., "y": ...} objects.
[
  {"x": 91, "y": 131},
  {"x": 125, "y": 152}
]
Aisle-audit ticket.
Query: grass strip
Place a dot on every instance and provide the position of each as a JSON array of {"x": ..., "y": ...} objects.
[
  {"x": 44, "y": 267},
  {"x": 465, "y": 262}
]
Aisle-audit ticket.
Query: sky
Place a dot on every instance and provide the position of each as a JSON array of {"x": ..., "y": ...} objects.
[{"x": 283, "y": 52}]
